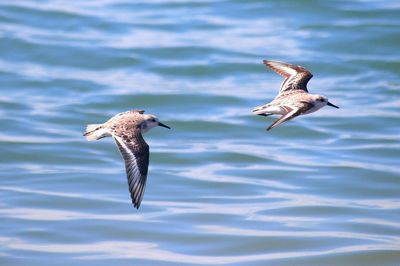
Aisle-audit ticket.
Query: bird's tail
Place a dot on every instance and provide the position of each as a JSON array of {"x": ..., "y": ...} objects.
[
  {"x": 267, "y": 109},
  {"x": 95, "y": 132},
  {"x": 259, "y": 110}
]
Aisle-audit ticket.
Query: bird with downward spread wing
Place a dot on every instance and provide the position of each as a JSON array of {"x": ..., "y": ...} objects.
[{"x": 126, "y": 129}]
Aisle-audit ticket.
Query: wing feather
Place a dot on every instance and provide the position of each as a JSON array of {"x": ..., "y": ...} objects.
[
  {"x": 291, "y": 113},
  {"x": 296, "y": 77},
  {"x": 136, "y": 157},
  {"x": 283, "y": 118}
]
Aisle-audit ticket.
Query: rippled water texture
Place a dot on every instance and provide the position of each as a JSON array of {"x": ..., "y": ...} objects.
[{"x": 322, "y": 189}]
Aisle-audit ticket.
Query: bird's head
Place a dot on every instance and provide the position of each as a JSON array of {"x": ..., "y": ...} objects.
[
  {"x": 320, "y": 101},
  {"x": 150, "y": 121}
]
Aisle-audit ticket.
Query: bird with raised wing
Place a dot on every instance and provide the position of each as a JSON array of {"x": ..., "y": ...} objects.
[
  {"x": 293, "y": 98},
  {"x": 126, "y": 129}
]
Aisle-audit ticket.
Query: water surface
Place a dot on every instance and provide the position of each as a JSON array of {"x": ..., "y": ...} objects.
[{"x": 322, "y": 189}]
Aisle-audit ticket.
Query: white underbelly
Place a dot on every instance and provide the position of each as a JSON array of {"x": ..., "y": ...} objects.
[{"x": 312, "y": 110}]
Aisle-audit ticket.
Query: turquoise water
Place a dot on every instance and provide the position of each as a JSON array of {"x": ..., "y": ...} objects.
[{"x": 322, "y": 189}]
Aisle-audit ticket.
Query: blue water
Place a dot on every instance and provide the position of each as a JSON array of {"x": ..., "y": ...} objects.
[{"x": 322, "y": 189}]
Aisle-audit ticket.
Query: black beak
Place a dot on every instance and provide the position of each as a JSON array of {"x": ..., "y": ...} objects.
[
  {"x": 162, "y": 125},
  {"x": 331, "y": 104}
]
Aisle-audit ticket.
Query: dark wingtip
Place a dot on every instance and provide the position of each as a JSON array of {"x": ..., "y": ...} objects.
[
  {"x": 265, "y": 114},
  {"x": 135, "y": 205}
]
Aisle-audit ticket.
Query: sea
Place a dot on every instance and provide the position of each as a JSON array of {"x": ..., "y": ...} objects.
[{"x": 320, "y": 190}]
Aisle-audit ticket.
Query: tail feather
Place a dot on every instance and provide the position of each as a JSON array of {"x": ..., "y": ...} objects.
[
  {"x": 268, "y": 109},
  {"x": 95, "y": 132},
  {"x": 259, "y": 110}
]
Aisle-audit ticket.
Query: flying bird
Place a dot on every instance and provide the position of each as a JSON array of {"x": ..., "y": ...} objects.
[
  {"x": 293, "y": 98},
  {"x": 126, "y": 129}
]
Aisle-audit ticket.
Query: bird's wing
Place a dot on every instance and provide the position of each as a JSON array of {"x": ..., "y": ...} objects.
[
  {"x": 135, "y": 152},
  {"x": 291, "y": 112},
  {"x": 296, "y": 77},
  {"x": 138, "y": 111},
  {"x": 128, "y": 112}
]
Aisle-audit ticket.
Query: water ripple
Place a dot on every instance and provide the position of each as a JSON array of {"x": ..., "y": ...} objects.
[{"x": 319, "y": 190}]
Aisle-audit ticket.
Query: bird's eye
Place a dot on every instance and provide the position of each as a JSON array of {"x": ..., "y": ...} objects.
[{"x": 153, "y": 120}]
